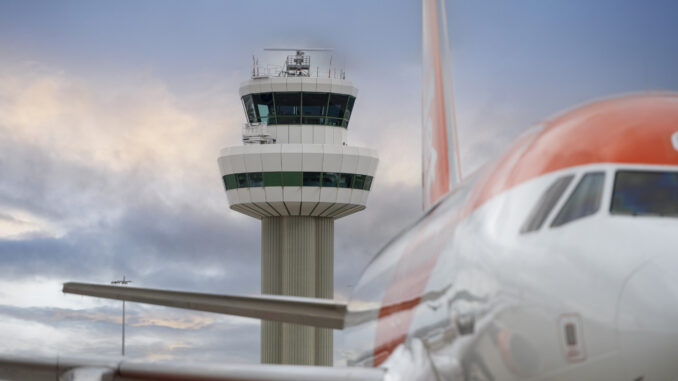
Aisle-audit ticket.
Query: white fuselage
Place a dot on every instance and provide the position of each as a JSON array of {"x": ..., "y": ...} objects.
[{"x": 591, "y": 299}]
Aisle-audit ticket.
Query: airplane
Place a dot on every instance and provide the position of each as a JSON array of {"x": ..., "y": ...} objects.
[{"x": 555, "y": 261}]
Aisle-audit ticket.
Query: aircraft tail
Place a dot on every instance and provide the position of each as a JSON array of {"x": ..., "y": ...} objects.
[{"x": 441, "y": 168}]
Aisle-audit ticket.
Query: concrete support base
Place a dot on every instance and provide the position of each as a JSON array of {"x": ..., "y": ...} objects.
[{"x": 297, "y": 259}]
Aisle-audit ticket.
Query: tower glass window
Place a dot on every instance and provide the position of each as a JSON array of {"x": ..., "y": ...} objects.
[
  {"x": 337, "y": 106},
  {"x": 288, "y": 108},
  {"x": 314, "y": 107},
  {"x": 345, "y": 180},
  {"x": 359, "y": 182},
  {"x": 256, "y": 179},
  {"x": 249, "y": 108},
  {"x": 264, "y": 107},
  {"x": 349, "y": 108},
  {"x": 299, "y": 108},
  {"x": 311, "y": 179},
  {"x": 330, "y": 179},
  {"x": 241, "y": 180}
]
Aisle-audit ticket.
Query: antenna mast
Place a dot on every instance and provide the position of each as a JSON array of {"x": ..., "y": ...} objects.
[{"x": 299, "y": 64}]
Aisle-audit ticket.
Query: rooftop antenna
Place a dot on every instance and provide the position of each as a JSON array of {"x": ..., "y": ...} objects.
[{"x": 299, "y": 64}]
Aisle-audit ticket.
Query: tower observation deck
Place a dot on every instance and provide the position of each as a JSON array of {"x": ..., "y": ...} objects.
[{"x": 297, "y": 174}]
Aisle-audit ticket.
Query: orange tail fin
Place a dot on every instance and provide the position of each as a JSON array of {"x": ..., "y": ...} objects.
[{"x": 441, "y": 166}]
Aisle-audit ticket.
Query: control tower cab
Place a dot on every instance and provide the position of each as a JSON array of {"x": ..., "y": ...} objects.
[
  {"x": 295, "y": 160},
  {"x": 297, "y": 174}
]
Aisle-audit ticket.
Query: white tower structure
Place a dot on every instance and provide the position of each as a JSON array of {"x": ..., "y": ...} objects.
[{"x": 296, "y": 173}]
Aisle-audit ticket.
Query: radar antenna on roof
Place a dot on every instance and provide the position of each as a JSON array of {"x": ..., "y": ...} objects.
[{"x": 298, "y": 65}]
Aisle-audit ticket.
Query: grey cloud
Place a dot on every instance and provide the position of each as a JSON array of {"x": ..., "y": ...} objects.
[{"x": 96, "y": 331}]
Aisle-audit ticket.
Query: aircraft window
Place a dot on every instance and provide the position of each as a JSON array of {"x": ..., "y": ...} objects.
[
  {"x": 545, "y": 204},
  {"x": 249, "y": 108},
  {"x": 645, "y": 193},
  {"x": 263, "y": 104},
  {"x": 288, "y": 108},
  {"x": 570, "y": 334},
  {"x": 584, "y": 200}
]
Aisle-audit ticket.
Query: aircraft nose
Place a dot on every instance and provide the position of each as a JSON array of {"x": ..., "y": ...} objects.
[{"x": 647, "y": 320}]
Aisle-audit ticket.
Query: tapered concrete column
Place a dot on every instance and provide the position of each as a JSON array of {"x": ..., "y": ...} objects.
[{"x": 297, "y": 260}]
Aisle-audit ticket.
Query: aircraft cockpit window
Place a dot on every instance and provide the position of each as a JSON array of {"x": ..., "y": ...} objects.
[
  {"x": 584, "y": 200},
  {"x": 645, "y": 193},
  {"x": 546, "y": 202}
]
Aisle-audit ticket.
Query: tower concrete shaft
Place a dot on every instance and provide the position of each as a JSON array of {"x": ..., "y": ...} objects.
[{"x": 297, "y": 259}]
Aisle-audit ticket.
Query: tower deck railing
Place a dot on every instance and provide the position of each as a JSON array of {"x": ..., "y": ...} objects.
[{"x": 261, "y": 71}]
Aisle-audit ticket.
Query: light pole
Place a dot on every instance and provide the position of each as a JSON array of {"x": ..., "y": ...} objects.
[{"x": 122, "y": 282}]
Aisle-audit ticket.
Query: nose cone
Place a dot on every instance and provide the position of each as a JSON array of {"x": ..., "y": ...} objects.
[{"x": 647, "y": 320}]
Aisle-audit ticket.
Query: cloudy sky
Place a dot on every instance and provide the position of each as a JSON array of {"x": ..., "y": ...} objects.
[{"x": 112, "y": 115}]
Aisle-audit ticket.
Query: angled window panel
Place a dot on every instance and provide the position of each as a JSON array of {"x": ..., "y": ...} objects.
[
  {"x": 349, "y": 108},
  {"x": 249, "y": 109},
  {"x": 230, "y": 182},
  {"x": 359, "y": 181},
  {"x": 545, "y": 204},
  {"x": 292, "y": 179},
  {"x": 272, "y": 179},
  {"x": 368, "y": 183},
  {"x": 263, "y": 104},
  {"x": 337, "y": 105},
  {"x": 584, "y": 200}
]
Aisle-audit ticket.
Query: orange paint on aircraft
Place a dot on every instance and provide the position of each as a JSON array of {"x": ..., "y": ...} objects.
[{"x": 634, "y": 129}]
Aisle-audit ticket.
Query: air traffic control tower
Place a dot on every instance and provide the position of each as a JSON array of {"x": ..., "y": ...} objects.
[{"x": 297, "y": 174}]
